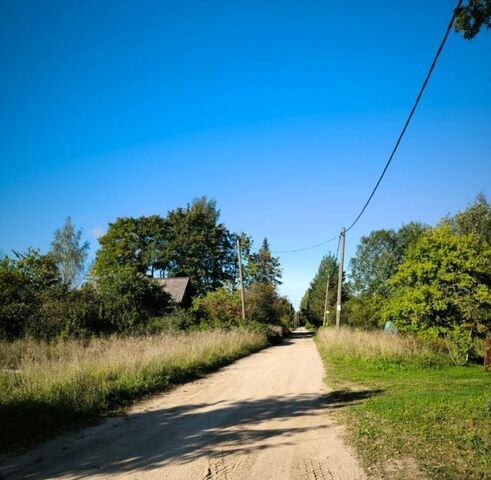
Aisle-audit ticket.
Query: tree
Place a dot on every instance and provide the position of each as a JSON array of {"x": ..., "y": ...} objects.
[
  {"x": 129, "y": 299},
  {"x": 261, "y": 303},
  {"x": 142, "y": 243},
  {"x": 200, "y": 247},
  {"x": 470, "y": 18},
  {"x": 313, "y": 301},
  {"x": 69, "y": 253},
  {"x": 474, "y": 219},
  {"x": 24, "y": 281},
  {"x": 262, "y": 267},
  {"x": 377, "y": 257},
  {"x": 219, "y": 308},
  {"x": 444, "y": 282}
]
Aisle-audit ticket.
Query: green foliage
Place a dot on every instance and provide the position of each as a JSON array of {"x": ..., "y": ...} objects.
[
  {"x": 378, "y": 256},
  {"x": 190, "y": 242},
  {"x": 363, "y": 311},
  {"x": 476, "y": 218},
  {"x": 222, "y": 308},
  {"x": 69, "y": 254},
  {"x": 313, "y": 301},
  {"x": 141, "y": 243},
  {"x": 219, "y": 308},
  {"x": 459, "y": 343},
  {"x": 261, "y": 303},
  {"x": 177, "y": 319},
  {"x": 444, "y": 281},
  {"x": 262, "y": 267},
  {"x": 129, "y": 299},
  {"x": 25, "y": 282},
  {"x": 200, "y": 246},
  {"x": 472, "y": 17}
]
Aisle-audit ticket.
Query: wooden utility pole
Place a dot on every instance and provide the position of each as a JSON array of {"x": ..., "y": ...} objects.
[
  {"x": 239, "y": 258},
  {"x": 340, "y": 277},
  {"x": 326, "y": 301}
]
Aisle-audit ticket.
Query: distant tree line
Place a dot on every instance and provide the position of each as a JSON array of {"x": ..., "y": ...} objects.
[{"x": 54, "y": 295}]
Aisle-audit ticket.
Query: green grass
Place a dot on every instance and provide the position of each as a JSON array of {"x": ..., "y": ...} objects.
[
  {"x": 422, "y": 408},
  {"x": 46, "y": 388}
]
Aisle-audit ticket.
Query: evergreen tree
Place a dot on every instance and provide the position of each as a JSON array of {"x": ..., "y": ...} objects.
[{"x": 262, "y": 267}]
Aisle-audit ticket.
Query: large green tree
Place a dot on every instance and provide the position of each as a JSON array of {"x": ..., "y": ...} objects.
[
  {"x": 69, "y": 253},
  {"x": 200, "y": 246},
  {"x": 189, "y": 241},
  {"x": 378, "y": 256},
  {"x": 142, "y": 243},
  {"x": 444, "y": 281}
]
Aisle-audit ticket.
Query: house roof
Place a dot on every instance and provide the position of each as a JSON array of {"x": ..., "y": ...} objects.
[{"x": 175, "y": 287}]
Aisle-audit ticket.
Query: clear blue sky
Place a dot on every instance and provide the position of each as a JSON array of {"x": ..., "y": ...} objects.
[{"x": 284, "y": 112}]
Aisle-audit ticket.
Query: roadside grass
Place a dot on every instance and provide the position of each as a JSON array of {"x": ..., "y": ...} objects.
[
  {"x": 426, "y": 410},
  {"x": 46, "y": 388}
]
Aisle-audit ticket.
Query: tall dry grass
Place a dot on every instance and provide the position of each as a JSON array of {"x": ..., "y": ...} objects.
[
  {"x": 379, "y": 348},
  {"x": 46, "y": 386}
]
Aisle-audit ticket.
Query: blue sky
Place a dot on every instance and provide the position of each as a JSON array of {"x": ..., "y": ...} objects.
[{"x": 284, "y": 112}]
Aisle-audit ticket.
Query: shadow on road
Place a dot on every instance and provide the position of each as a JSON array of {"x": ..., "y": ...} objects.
[{"x": 188, "y": 432}]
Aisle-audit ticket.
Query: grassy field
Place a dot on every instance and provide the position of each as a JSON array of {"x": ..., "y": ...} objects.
[
  {"x": 45, "y": 388},
  {"x": 422, "y": 418}
]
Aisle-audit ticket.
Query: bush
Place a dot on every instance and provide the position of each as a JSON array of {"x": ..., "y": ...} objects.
[
  {"x": 129, "y": 299},
  {"x": 176, "y": 320},
  {"x": 26, "y": 281},
  {"x": 363, "y": 311},
  {"x": 459, "y": 343},
  {"x": 218, "y": 309},
  {"x": 261, "y": 303}
]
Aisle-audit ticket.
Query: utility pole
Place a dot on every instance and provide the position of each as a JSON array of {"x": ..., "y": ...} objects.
[
  {"x": 239, "y": 257},
  {"x": 340, "y": 277},
  {"x": 326, "y": 304}
]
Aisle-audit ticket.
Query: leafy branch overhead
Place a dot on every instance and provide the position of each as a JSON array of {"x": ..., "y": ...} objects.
[{"x": 470, "y": 18}]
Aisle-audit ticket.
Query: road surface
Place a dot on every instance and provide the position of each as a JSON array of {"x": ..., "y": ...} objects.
[{"x": 265, "y": 417}]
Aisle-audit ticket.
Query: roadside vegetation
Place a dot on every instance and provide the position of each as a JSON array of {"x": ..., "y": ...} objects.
[
  {"x": 77, "y": 342},
  {"x": 424, "y": 416},
  {"x": 45, "y": 387},
  {"x": 415, "y": 318},
  {"x": 432, "y": 282}
]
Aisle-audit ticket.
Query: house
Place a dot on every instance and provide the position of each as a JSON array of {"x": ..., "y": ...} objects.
[{"x": 178, "y": 288}]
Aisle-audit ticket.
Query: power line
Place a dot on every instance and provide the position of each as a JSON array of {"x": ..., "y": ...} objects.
[
  {"x": 305, "y": 248},
  {"x": 408, "y": 120},
  {"x": 396, "y": 146}
]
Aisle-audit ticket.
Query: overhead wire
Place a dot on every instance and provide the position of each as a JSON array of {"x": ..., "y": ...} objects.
[
  {"x": 399, "y": 139},
  {"x": 410, "y": 116},
  {"x": 306, "y": 248}
]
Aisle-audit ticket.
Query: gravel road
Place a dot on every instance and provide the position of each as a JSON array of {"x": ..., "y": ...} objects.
[{"x": 265, "y": 417}]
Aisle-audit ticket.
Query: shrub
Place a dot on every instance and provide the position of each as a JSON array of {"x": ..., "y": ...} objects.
[
  {"x": 363, "y": 311},
  {"x": 261, "y": 303},
  {"x": 219, "y": 308},
  {"x": 177, "y": 319},
  {"x": 129, "y": 299}
]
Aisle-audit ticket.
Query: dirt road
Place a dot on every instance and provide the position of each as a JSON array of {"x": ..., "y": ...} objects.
[{"x": 264, "y": 417}]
